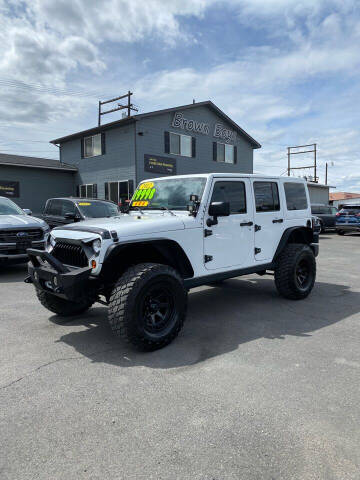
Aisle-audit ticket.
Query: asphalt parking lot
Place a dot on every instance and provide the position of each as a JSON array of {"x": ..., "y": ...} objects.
[{"x": 255, "y": 387}]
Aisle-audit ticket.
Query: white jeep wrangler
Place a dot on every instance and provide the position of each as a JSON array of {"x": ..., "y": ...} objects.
[{"x": 180, "y": 232}]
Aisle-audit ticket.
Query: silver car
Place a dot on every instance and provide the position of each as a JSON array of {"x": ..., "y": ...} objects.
[{"x": 19, "y": 231}]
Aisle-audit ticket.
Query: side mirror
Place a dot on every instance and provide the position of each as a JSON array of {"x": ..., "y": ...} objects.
[
  {"x": 70, "y": 216},
  {"x": 124, "y": 208},
  {"x": 27, "y": 211},
  {"x": 217, "y": 209}
]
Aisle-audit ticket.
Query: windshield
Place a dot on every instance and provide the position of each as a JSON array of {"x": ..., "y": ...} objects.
[
  {"x": 98, "y": 209},
  {"x": 7, "y": 207},
  {"x": 173, "y": 194}
]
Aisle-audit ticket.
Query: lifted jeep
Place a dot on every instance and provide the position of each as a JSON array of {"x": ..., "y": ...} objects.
[{"x": 180, "y": 232}]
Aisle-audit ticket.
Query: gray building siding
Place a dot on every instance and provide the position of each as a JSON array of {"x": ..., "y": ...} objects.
[
  {"x": 127, "y": 145},
  {"x": 37, "y": 185},
  {"x": 152, "y": 142},
  {"x": 117, "y": 164}
]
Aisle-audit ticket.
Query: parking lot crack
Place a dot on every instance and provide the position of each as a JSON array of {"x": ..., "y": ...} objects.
[{"x": 40, "y": 367}]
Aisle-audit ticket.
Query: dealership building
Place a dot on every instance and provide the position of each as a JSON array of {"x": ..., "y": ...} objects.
[
  {"x": 112, "y": 158},
  {"x": 30, "y": 181},
  {"x": 109, "y": 160}
]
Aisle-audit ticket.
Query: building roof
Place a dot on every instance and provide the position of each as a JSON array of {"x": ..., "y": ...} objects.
[
  {"x": 318, "y": 185},
  {"x": 134, "y": 118},
  {"x": 34, "y": 162},
  {"x": 343, "y": 196}
]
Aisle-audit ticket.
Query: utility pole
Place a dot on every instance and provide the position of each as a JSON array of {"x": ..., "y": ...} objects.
[
  {"x": 326, "y": 172},
  {"x": 313, "y": 150},
  {"x": 288, "y": 154},
  {"x": 129, "y": 106}
]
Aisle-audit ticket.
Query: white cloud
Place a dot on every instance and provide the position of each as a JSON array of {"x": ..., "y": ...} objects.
[
  {"x": 304, "y": 41},
  {"x": 116, "y": 20}
]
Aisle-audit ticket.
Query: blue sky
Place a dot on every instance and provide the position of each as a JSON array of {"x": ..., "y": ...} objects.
[{"x": 287, "y": 71}]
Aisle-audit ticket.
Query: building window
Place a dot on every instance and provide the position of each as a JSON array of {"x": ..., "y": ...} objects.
[
  {"x": 266, "y": 196},
  {"x": 93, "y": 146},
  {"x": 119, "y": 192},
  {"x": 177, "y": 144},
  {"x": 88, "y": 190},
  {"x": 223, "y": 152},
  {"x": 295, "y": 196}
]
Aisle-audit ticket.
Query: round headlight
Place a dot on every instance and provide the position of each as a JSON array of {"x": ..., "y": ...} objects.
[
  {"x": 96, "y": 245},
  {"x": 52, "y": 240}
]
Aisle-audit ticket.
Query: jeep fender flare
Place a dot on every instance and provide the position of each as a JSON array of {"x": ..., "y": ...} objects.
[
  {"x": 297, "y": 235},
  {"x": 158, "y": 250}
]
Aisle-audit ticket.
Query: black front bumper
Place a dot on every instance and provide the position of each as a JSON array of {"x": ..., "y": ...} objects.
[{"x": 50, "y": 275}]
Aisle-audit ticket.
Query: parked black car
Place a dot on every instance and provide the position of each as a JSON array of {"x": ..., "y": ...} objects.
[
  {"x": 61, "y": 211},
  {"x": 326, "y": 215}
]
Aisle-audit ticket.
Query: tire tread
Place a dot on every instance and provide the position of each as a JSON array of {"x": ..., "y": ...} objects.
[
  {"x": 284, "y": 270},
  {"x": 121, "y": 305}
]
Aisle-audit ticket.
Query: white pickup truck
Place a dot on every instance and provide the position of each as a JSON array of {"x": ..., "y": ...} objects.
[{"x": 180, "y": 232}]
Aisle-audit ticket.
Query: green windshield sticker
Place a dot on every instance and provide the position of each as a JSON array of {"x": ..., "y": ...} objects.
[{"x": 145, "y": 192}]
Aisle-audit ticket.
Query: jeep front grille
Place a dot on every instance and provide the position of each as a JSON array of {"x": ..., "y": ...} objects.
[
  {"x": 70, "y": 254},
  {"x": 10, "y": 236}
]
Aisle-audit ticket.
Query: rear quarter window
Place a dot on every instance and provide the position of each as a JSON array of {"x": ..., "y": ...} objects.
[
  {"x": 351, "y": 210},
  {"x": 295, "y": 196}
]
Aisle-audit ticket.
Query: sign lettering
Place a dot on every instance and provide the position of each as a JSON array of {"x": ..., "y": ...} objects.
[
  {"x": 162, "y": 165},
  {"x": 9, "y": 189},
  {"x": 220, "y": 131},
  {"x": 179, "y": 121},
  {"x": 224, "y": 133}
]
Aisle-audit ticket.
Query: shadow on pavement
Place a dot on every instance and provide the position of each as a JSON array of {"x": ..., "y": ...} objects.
[
  {"x": 219, "y": 320},
  {"x": 13, "y": 273}
]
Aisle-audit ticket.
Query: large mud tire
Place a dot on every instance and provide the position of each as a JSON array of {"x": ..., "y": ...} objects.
[{"x": 148, "y": 305}]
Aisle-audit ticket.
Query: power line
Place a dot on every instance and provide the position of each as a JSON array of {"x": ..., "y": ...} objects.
[
  {"x": 7, "y": 82},
  {"x": 27, "y": 151},
  {"x": 22, "y": 140}
]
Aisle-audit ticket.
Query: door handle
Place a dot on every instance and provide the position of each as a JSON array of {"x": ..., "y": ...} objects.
[
  {"x": 246, "y": 224},
  {"x": 278, "y": 220}
]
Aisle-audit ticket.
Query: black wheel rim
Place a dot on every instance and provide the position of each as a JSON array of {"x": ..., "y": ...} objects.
[
  {"x": 157, "y": 309},
  {"x": 303, "y": 274}
]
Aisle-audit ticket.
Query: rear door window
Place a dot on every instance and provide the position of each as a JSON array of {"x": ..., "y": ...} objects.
[
  {"x": 295, "y": 196},
  {"x": 266, "y": 196}
]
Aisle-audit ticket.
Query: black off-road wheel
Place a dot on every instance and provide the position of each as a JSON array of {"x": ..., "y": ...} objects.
[
  {"x": 148, "y": 305},
  {"x": 60, "y": 306},
  {"x": 340, "y": 232},
  {"x": 295, "y": 271}
]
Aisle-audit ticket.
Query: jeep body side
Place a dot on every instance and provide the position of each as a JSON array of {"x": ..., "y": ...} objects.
[{"x": 180, "y": 232}]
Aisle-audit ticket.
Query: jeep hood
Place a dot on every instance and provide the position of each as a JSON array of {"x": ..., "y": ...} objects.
[
  {"x": 20, "y": 221},
  {"x": 127, "y": 225}
]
